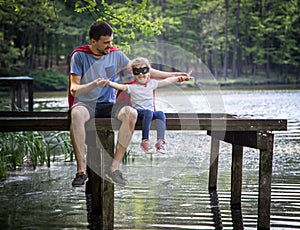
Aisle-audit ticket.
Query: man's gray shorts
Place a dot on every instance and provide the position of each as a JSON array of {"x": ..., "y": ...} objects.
[{"x": 101, "y": 110}]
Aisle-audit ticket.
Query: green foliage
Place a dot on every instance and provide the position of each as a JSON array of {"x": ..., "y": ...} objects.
[
  {"x": 49, "y": 80},
  {"x": 36, "y": 34},
  {"x": 64, "y": 145},
  {"x": 8, "y": 57},
  {"x": 3, "y": 170},
  {"x": 12, "y": 149},
  {"x": 128, "y": 18},
  {"x": 22, "y": 21},
  {"x": 32, "y": 149}
]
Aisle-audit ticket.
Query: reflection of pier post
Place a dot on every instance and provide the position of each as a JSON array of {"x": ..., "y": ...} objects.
[
  {"x": 214, "y": 206},
  {"x": 237, "y": 219},
  {"x": 99, "y": 192}
]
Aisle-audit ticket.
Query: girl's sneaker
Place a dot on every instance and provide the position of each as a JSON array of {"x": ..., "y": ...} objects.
[
  {"x": 146, "y": 147},
  {"x": 160, "y": 146}
]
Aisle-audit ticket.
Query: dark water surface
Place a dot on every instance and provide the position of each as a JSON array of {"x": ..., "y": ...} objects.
[{"x": 170, "y": 191}]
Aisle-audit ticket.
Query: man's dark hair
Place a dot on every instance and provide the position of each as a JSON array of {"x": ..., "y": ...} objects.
[{"x": 99, "y": 29}]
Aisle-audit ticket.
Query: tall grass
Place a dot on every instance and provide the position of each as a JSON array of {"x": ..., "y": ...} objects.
[{"x": 32, "y": 149}]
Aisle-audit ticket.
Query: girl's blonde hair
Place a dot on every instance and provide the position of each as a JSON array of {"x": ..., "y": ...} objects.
[{"x": 139, "y": 61}]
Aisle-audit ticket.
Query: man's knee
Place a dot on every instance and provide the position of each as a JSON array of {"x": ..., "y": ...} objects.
[
  {"x": 79, "y": 114},
  {"x": 128, "y": 114}
]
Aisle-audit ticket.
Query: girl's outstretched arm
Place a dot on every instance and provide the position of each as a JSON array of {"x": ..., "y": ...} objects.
[
  {"x": 117, "y": 86},
  {"x": 171, "y": 80},
  {"x": 158, "y": 74}
]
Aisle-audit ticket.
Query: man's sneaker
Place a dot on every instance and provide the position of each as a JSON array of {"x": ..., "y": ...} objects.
[
  {"x": 160, "y": 146},
  {"x": 116, "y": 177},
  {"x": 146, "y": 147},
  {"x": 79, "y": 180}
]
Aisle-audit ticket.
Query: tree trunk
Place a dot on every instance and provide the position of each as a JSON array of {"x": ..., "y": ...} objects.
[
  {"x": 268, "y": 61},
  {"x": 234, "y": 56},
  {"x": 215, "y": 52},
  {"x": 239, "y": 61},
  {"x": 209, "y": 60},
  {"x": 226, "y": 42},
  {"x": 30, "y": 58}
]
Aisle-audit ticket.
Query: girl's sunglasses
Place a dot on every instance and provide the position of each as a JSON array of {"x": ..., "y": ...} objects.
[{"x": 143, "y": 70}]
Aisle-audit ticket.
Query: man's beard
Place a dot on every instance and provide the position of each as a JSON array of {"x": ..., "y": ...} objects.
[{"x": 103, "y": 52}]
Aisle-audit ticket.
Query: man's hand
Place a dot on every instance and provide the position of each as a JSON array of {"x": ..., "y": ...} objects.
[{"x": 100, "y": 82}]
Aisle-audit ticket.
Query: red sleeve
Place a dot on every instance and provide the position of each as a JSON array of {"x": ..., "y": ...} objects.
[{"x": 122, "y": 96}]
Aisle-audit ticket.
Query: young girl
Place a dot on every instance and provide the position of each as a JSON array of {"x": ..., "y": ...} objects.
[{"x": 141, "y": 94}]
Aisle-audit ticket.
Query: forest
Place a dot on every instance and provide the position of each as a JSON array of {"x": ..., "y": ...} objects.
[{"x": 234, "y": 39}]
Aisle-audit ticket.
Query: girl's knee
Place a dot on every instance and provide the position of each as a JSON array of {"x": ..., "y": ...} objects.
[
  {"x": 160, "y": 115},
  {"x": 148, "y": 114}
]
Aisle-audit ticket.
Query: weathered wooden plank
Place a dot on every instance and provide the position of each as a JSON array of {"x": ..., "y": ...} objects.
[
  {"x": 199, "y": 115},
  {"x": 18, "y": 121},
  {"x": 11, "y": 124},
  {"x": 33, "y": 114},
  {"x": 219, "y": 124},
  {"x": 252, "y": 139},
  {"x": 64, "y": 114}
]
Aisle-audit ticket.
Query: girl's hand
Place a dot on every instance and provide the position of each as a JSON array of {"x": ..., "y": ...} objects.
[{"x": 185, "y": 77}]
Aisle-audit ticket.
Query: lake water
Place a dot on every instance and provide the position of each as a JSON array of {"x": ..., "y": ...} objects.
[{"x": 170, "y": 191}]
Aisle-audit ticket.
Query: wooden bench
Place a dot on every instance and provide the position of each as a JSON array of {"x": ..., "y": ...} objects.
[
  {"x": 240, "y": 132},
  {"x": 18, "y": 86}
]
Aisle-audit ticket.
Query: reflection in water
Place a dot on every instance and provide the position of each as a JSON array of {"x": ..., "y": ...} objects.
[
  {"x": 215, "y": 209},
  {"x": 176, "y": 198},
  {"x": 237, "y": 219},
  {"x": 236, "y": 213},
  {"x": 93, "y": 217}
]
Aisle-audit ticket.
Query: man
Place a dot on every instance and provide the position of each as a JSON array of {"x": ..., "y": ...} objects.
[{"x": 91, "y": 65}]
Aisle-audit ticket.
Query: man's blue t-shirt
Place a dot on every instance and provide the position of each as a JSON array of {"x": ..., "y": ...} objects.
[{"x": 90, "y": 68}]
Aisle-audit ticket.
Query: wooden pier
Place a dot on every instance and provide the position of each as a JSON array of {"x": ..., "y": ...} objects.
[
  {"x": 18, "y": 87},
  {"x": 240, "y": 132}
]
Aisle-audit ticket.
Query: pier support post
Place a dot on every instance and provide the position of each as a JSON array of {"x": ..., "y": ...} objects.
[
  {"x": 214, "y": 161},
  {"x": 100, "y": 151},
  {"x": 265, "y": 181},
  {"x": 236, "y": 176},
  {"x": 263, "y": 141}
]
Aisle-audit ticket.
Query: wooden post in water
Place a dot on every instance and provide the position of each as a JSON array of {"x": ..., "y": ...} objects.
[
  {"x": 100, "y": 153},
  {"x": 264, "y": 142},
  {"x": 214, "y": 163},
  {"x": 30, "y": 96},
  {"x": 236, "y": 176},
  {"x": 265, "y": 181}
]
